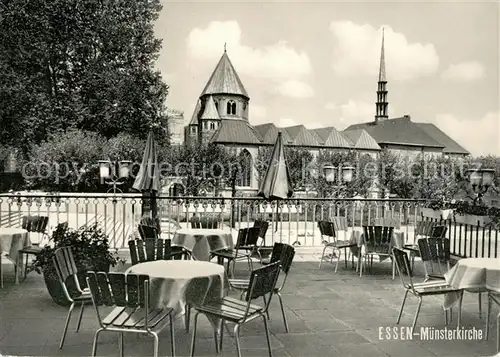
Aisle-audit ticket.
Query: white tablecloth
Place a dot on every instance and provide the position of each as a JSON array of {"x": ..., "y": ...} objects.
[
  {"x": 173, "y": 283},
  {"x": 200, "y": 242},
  {"x": 473, "y": 274},
  {"x": 12, "y": 240}
]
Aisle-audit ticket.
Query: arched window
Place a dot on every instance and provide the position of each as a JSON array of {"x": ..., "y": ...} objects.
[
  {"x": 212, "y": 125},
  {"x": 217, "y": 106},
  {"x": 231, "y": 107},
  {"x": 245, "y": 175}
]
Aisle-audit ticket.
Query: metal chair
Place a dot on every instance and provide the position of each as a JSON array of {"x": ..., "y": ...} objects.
[
  {"x": 434, "y": 251},
  {"x": 35, "y": 224},
  {"x": 420, "y": 290},
  {"x": 493, "y": 297},
  {"x": 65, "y": 267},
  {"x": 149, "y": 232},
  {"x": 378, "y": 242},
  {"x": 262, "y": 283},
  {"x": 328, "y": 229},
  {"x": 151, "y": 249},
  {"x": 283, "y": 253},
  {"x": 246, "y": 243},
  {"x": 128, "y": 294}
]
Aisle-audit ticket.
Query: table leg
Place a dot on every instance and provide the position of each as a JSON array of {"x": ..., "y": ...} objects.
[{"x": 16, "y": 270}]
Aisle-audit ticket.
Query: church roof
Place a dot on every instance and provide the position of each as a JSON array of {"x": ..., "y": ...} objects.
[
  {"x": 235, "y": 131},
  {"x": 332, "y": 138},
  {"x": 269, "y": 133},
  {"x": 398, "y": 131},
  {"x": 302, "y": 137},
  {"x": 210, "y": 111},
  {"x": 360, "y": 139},
  {"x": 450, "y": 145},
  {"x": 224, "y": 79},
  {"x": 194, "y": 117}
]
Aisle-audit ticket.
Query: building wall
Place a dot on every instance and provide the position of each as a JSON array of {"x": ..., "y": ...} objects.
[
  {"x": 242, "y": 105},
  {"x": 413, "y": 151},
  {"x": 176, "y": 126}
]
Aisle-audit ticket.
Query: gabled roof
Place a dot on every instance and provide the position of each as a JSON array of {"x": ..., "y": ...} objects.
[
  {"x": 210, "y": 111},
  {"x": 360, "y": 139},
  {"x": 450, "y": 145},
  {"x": 224, "y": 79},
  {"x": 302, "y": 137},
  {"x": 194, "y": 117},
  {"x": 269, "y": 132},
  {"x": 236, "y": 131},
  {"x": 398, "y": 131},
  {"x": 330, "y": 137}
]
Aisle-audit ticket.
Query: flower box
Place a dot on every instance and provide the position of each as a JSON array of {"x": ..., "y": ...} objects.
[
  {"x": 436, "y": 213},
  {"x": 472, "y": 219}
]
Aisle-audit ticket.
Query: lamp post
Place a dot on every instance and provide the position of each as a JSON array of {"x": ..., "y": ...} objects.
[
  {"x": 345, "y": 175},
  {"x": 113, "y": 172},
  {"x": 480, "y": 181}
]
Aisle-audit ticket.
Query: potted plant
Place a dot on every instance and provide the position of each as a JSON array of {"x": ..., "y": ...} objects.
[{"x": 91, "y": 251}]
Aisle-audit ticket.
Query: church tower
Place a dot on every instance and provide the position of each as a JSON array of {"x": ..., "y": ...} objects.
[
  {"x": 381, "y": 106},
  {"x": 224, "y": 97}
]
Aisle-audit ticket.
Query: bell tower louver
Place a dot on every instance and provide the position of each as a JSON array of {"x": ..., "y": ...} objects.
[{"x": 381, "y": 106}]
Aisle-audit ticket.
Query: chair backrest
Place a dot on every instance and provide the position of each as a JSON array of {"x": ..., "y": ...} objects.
[
  {"x": 209, "y": 222},
  {"x": 378, "y": 238},
  {"x": 64, "y": 264},
  {"x": 435, "y": 250},
  {"x": 252, "y": 236},
  {"x": 438, "y": 231},
  {"x": 148, "y": 250},
  {"x": 263, "y": 225},
  {"x": 36, "y": 224},
  {"x": 242, "y": 238},
  {"x": 404, "y": 267},
  {"x": 283, "y": 253},
  {"x": 340, "y": 223},
  {"x": 120, "y": 289},
  {"x": 326, "y": 228},
  {"x": 148, "y": 232},
  {"x": 262, "y": 282}
]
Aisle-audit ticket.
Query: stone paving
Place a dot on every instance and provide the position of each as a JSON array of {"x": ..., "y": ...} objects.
[{"x": 328, "y": 314}]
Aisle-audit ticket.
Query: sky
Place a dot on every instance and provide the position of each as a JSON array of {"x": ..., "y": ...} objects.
[{"x": 316, "y": 63}]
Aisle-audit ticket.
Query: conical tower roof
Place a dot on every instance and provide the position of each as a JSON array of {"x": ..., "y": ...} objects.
[
  {"x": 224, "y": 79},
  {"x": 210, "y": 111}
]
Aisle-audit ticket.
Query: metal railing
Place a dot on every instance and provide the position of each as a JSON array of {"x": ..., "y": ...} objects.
[{"x": 293, "y": 221}]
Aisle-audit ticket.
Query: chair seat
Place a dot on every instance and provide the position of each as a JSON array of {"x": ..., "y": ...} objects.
[
  {"x": 230, "y": 309},
  {"x": 133, "y": 318},
  {"x": 229, "y": 254},
  {"x": 239, "y": 284},
  {"x": 433, "y": 287},
  {"x": 32, "y": 249},
  {"x": 341, "y": 244},
  {"x": 85, "y": 296}
]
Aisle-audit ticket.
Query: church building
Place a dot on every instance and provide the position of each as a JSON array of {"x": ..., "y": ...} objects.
[{"x": 222, "y": 116}]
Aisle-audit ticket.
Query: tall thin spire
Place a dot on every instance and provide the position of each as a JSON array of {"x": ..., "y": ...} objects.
[
  {"x": 381, "y": 73},
  {"x": 381, "y": 105},
  {"x": 225, "y": 50}
]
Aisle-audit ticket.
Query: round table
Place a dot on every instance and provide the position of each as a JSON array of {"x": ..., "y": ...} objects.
[
  {"x": 11, "y": 241},
  {"x": 200, "y": 242},
  {"x": 473, "y": 274},
  {"x": 175, "y": 283}
]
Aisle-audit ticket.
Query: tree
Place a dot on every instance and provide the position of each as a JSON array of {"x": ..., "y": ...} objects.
[
  {"x": 66, "y": 163},
  {"x": 396, "y": 174},
  {"x": 79, "y": 64}
]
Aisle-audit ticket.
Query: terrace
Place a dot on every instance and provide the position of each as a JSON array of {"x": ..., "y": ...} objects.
[{"x": 328, "y": 313}]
